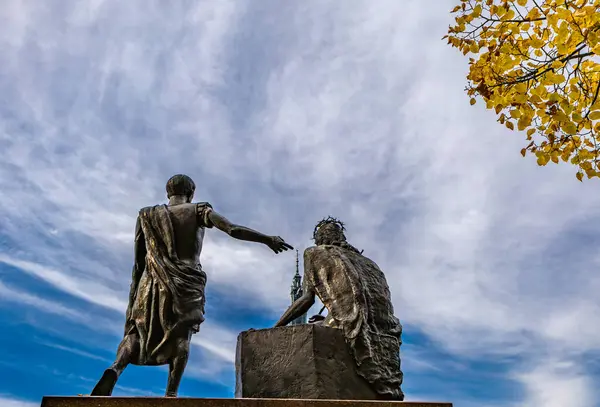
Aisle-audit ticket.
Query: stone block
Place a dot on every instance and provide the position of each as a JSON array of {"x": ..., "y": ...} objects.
[{"x": 298, "y": 362}]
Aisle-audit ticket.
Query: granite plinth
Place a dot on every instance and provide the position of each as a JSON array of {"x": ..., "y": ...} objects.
[
  {"x": 298, "y": 362},
  {"x": 194, "y": 402}
]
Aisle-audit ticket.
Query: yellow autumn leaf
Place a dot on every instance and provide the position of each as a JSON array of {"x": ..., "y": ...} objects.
[
  {"x": 523, "y": 123},
  {"x": 570, "y": 128},
  {"x": 537, "y": 43},
  {"x": 509, "y": 15},
  {"x": 543, "y": 159},
  {"x": 557, "y": 79},
  {"x": 574, "y": 95},
  {"x": 520, "y": 98},
  {"x": 595, "y": 115},
  {"x": 472, "y": 101}
]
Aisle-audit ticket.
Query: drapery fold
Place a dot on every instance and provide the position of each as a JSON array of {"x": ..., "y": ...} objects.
[
  {"x": 170, "y": 294},
  {"x": 356, "y": 293}
]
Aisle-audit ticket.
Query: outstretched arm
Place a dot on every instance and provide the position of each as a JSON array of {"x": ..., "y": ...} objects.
[
  {"x": 236, "y": 231},
  {"x": 298, "y": 308},
  {"x": 276, "y": 243}
]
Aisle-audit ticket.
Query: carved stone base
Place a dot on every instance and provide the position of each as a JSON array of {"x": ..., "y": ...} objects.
[
  {"x": 298, "y": 362},
  {"x": 190, "y": 402}
]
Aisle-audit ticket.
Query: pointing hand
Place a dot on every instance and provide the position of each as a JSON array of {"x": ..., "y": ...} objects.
[{"x": 278, "y": 245}]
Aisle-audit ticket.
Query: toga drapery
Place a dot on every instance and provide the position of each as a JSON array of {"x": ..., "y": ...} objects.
[
  {"x": 169, "y": 298},
  {"x": 357, "y": 296}
]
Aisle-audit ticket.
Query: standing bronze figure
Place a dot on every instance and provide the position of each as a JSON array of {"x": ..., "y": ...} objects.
[
  {"x": 166, "y": 300},
  {"x": 356, "y": 294}
]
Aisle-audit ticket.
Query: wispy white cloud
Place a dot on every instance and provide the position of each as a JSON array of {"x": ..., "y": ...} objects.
[
  {"x": 557, "y": 383},
  {"x": 219, "y": 341},
  {"x": 8, "y": 401},
  {"x": 87, "y": 290},
  {"x": 74, "y": 351},
  {"x": 14, "y": 295},
  {"x": 132, "y": 391}
]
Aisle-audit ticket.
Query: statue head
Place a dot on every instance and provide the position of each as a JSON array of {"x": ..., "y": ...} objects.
[
  {"x": 329, "y": 231},
  {"x": 181, "y": 185}
]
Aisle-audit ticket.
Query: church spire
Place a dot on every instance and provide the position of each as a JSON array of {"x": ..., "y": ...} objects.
[
  {"x": 296, "y": 291},
  {"x": 296, "y": 288}
]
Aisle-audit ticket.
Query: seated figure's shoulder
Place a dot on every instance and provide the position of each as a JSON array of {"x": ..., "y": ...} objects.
[
  {"x": 310, "y": 250},
  {"x": 146, "y": 209},
  {"x": 371, "y": 263},
  {"x": 323, "y": 248},
  {"x": 317, "y": 253}
]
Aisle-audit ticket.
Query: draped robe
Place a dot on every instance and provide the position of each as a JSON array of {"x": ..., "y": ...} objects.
[
  {"x": 357, "y": 296},
  {"x": 169, "y": 298}
]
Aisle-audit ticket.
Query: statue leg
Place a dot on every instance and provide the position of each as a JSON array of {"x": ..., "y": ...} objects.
[
  {"x": 181, "y": 351},
  {"x": 128, "y": 349}
]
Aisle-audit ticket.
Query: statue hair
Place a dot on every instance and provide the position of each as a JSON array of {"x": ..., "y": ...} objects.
[
  {"x": 180, "y": 185},
  {"x": 330, "y": 231}
]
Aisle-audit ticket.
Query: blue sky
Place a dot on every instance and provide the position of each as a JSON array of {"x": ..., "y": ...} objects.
[{"x": 283, "y": 113}]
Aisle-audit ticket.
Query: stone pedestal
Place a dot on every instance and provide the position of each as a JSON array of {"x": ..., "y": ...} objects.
[
  {"x": 190, "y": 402},
  {"x": 298, "y": 362},
  {"x": 280, "y": 367}
]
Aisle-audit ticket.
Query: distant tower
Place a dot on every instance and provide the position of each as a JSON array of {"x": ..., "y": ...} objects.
[{"x": 296, "y": 292}]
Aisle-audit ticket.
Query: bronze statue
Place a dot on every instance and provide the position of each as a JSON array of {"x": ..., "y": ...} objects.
[
  {"x": 355, "y": 292},
  {"x": 166, "y": 299}
]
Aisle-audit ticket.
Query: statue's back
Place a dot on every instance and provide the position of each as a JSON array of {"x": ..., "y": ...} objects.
[
  {"x": 357, "y": 296},
  {"x": 351, "y": 280},
  {"x": 188, "y": 230}
]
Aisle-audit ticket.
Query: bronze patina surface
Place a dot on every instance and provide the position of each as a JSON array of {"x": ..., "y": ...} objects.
[
  {"x": 356, "y": 294},
  {"x": 166, "y": 301}
]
